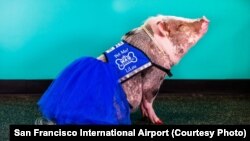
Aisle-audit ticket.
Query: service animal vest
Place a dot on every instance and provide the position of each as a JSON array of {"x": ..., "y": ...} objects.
[{"x": 129, "y": 60}]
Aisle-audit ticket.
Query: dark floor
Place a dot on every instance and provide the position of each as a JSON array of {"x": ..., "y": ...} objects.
[{"x": 173, "y": 109}]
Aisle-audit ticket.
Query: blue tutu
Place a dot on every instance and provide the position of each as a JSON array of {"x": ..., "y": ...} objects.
[{"x": 86, "y": 92}]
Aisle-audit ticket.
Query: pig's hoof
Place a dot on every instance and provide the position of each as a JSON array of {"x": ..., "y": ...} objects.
[{"x": 159, "y": 122}]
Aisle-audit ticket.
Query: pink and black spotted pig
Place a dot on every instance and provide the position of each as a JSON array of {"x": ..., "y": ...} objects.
[{"x": 165, "y": 40}]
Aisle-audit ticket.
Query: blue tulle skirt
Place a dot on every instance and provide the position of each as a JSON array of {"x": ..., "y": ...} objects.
[{"x": 86, "y": 92}]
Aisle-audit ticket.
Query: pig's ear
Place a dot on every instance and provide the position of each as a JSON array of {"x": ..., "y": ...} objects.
[{"x": 162, "y": 28}]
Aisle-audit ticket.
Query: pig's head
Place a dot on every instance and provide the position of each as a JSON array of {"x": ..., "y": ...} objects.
[
  {"x": 176, "y": 35},
  {"x": 164, "y": 39}
]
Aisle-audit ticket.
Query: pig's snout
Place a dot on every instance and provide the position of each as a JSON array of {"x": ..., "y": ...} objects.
[
  {"x": 204, "y": 24},
  {"x": 204, "y": 19}
]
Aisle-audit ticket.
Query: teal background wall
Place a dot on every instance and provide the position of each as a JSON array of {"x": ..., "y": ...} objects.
[{"x": 38, "y": 38}]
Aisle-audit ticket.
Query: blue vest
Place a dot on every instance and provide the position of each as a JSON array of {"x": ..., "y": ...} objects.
[{"x": 127, "y": 60}]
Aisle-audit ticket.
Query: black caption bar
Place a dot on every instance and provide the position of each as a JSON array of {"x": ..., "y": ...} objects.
[{"x": 31, "y": 132}]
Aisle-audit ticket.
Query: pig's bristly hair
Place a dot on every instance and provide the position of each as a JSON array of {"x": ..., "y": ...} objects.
[
  {"x": 152, "y": 38},
  {"x": 160, "y": 50},
  {"x": 165, "y": 51}
]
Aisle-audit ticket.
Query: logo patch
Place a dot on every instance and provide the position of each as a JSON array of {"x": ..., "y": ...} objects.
[{"x": 127, "y": 59}]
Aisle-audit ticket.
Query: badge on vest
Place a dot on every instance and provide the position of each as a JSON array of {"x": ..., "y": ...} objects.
[{"x": 127, "y": 60}]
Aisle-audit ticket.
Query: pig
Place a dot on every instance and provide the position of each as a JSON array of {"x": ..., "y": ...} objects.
[{"x": 165, "y": 40}]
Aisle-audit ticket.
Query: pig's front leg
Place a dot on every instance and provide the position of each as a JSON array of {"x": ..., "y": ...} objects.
[
  {"x": 152, "y": 80},
  {"x": 148, "y": 110}
]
